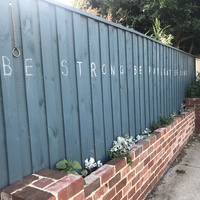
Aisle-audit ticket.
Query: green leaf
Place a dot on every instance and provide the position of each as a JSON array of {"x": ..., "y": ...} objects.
[
  {"x": 76, "y": 165},
  {"x": 72, "y": 172},
  {"x": 61, "y": 164}
]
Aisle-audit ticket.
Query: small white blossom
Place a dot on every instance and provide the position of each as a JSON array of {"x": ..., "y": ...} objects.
[
  {"x": 147, "y": 131},
  {"x": 90, "y": 163},
  {"x": 173, "y": 114},
  {"x": 99, "y": 163},
  {"x": 139, "y": 137}
]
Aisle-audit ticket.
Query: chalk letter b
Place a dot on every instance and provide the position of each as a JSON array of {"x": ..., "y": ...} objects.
[{"x": 7, "y": 70}]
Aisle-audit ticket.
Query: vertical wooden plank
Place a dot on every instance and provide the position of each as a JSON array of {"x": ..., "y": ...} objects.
[
  {"x": 180, "y": 80},
  {"x": 130, "y": 82},
  {"x": 141, "y": 83},
  {"x": 176, "y": 95},
  {"x": 155, "y": 100},
  {"x": 123, "y": 82},
  {"x": 174, "y": 68},
  {"x": 113, "y": 42},
  {"x": 97, "y": 104},
  {"x": 146, "y": 84},
  {"x": 68, "y": 84},
  {"x": 34, "y": 86},
  {"x": 51, "y": 75},
  {"x": 158, "y": 78},
  {"x": 183, "y": 78},
  {"x": 164, "y": 79},
  {"x": 84, "y": 87},
  {"x": 3, "y": 166},
  {"x": 4, "y": 175},
  {"x": 171, "y": 80},
  {"x": 136, "y": 84},
  {"x": 150, "y": 83},
  {"x": 167, "y": 82},
  {"x": 106, "y": 85},
  {"x": 21, "y": 99},
  {"x": 8, "y": 80},
  {"x": 161, "y": 75},
  {"x": 186, "y": 74}
]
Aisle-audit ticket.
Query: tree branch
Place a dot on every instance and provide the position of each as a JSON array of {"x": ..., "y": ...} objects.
[
  {"x": 191, "y": 46},
  {"x": 177, "y": 45}
]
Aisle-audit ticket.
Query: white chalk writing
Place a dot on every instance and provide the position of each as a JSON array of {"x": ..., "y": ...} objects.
[
  {"x": 7, "y": 70},
  {"x": 28, "y": 66},
  {"x": 64, "y": 67},
  {"x": 94, "y": 71}
]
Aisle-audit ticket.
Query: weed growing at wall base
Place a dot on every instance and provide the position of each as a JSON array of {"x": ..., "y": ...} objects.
[
  {"x": 73, "y": 167},
  {"x": 163, "y": 121},
  {"x": 69, "y": 167}
]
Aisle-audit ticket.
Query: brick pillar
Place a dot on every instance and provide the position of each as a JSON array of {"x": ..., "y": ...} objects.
[{"x": 194, "y": 103}]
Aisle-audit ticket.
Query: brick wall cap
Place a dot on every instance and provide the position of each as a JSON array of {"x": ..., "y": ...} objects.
[
  {"x": 105, "y": 172},
  {"x": 51, "y": 173},
  {"x": 19, "y": 184},
  {"x": 137, "y": 148},
  {"x": 159, "y": 130},
  {"x": 118, "y": 163},
  {"x": 33, "y": 194},
  {"x": 92, "y": 183},
  {"x": 64, "y": 182},
  {"x": 90, "y": 178}
]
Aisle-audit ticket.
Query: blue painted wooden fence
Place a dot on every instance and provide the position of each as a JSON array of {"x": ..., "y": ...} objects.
[{"x": 79, "y": 82}]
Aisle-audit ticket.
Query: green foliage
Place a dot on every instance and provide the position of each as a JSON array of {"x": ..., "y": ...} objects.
[
  {"x": 69, "y": 167},
  {"x": 122, "y": 147},
  {"x": 183, "y": 16},
  {"x": 166, "y": 120},
  {"x": 119, "y": 154},
  {"x": 194, "y": 88},
  {"x": 155, "y": 125},
  {"x": 160, "y": 33},
  {"x": 163, "y": 121}
]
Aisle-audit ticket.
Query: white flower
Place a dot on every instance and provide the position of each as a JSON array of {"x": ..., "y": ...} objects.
[
  {"x": 147, "y": 131},
  {"x": 90, "y": 163},
  {"x": 99, "y": 163},
  {"x": 139, "y": 137}
]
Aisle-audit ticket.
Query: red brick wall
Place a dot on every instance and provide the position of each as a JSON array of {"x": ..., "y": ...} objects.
[
  {"x": 115, "y": 180},
  {"x": 194, "y": 103}
]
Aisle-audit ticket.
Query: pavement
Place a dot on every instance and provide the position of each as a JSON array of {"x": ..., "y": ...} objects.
[{"x": 182, "y": 180}]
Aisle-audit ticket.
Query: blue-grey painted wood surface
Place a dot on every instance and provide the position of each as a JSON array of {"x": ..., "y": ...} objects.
[
  {"x": 79, "y": 82},
  {"x": 33, "y": 82}
]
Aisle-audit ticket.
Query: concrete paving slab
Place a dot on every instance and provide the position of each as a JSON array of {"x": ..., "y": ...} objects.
[{"x": 182, "y": 181}]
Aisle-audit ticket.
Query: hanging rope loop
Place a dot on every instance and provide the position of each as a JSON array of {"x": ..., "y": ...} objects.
[{"x": 15, "y": 50}]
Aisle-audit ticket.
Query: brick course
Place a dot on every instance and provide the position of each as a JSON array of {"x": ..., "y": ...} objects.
[{"x": 116, "y": 179}]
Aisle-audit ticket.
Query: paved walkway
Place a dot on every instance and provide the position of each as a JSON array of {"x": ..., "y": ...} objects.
[{"x": 182, "y": 181}]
